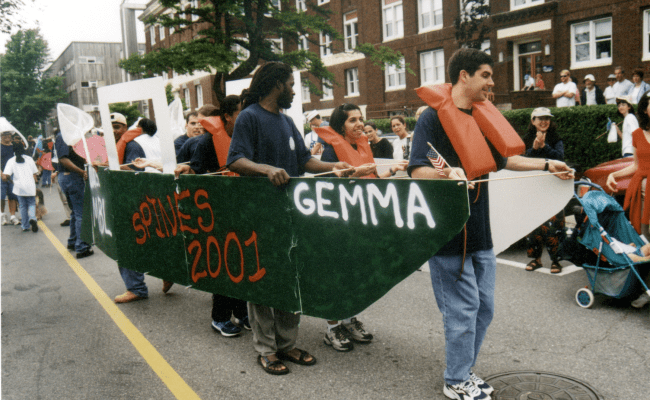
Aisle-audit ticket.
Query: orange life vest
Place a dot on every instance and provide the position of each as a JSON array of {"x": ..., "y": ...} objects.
[
  {"x": 466, "y": 132},
  {"x": 126, "y": 138},
  {"x": 344, "y": 150},
  {"x": 220, "y": 138}
]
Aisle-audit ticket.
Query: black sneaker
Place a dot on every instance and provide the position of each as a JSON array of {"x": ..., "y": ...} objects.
[
  {"x": 85, "y": 254},
  {"x": 71, "y": 247},
  {"x": 65, "y": 223},
  {"x": 34, "y": 225}
]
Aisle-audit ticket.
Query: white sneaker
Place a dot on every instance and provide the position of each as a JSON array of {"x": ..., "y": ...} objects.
[
  {"x": 641, "y": 301},
  {"x": 464, "y": 391},
  {"x": 14, "y": 220},
  {"x": 5, "y": 221},
  {"x": 480, "y": 384}
]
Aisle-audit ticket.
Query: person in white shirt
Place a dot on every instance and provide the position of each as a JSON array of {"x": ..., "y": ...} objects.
[
  {"x": 591, "y": 95},
  {"x": 630, "y": 124},
  {"x": 564, "y": 92},
  {"x": 622, "y": 87},
  {"x": 529, "y": 82},
  {"x": 610, "y": 96},
  {"x": 401, "y": 145},
  {"x": 639, "y": 86},
  {"x": 22, "y": 170}
]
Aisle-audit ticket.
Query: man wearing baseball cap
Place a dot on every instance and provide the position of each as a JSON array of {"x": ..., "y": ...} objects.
[
  {"x": 610, "y": 95},
  {"x": 312, "y": 140},
  {"x": 118, "y": 121},
  {"x": 591, "y": 95}
]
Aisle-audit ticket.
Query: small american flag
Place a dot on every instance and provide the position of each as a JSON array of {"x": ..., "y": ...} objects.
[{"x": 437, "y": 161}]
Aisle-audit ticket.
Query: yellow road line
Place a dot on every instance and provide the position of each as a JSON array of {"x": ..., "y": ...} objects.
[{"x": 165, "y": 372}]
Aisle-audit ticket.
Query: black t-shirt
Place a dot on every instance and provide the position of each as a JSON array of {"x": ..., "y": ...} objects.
[
  {"x": 65, "y": 151},
  {"x": 479, "y": 235},
  {"x": 205, "y": 157},
  {"x": 189, "y": 147},
  {"x": 382, "y": 149}
]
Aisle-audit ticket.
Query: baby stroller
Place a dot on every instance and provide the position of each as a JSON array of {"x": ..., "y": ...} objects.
[{"x": 600, "y": 247}]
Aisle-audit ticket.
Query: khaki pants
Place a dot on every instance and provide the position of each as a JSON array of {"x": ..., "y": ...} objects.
[{"x": 273, "y": 330}]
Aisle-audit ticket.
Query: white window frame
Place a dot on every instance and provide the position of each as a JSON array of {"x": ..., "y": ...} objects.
[
  {"x": 328, "y": 93},
  {"x": 92, "y": 84},
  {"x": 199, "y": 95},
  {"x": 437, "y": 70},
  {"x": 527, "y": 3},
  {"x": 161, "y": 29},
  {"x": 152, "y": 34},
  {"x": 306, "y": 95},
  {"x": 486, "y": 47},
  {"x": 239, "y": 49},
  {"x": 325, "y": 45},
  {"x": 391, "y": 71},
  {"x": 321, "y": 2},
  {"x": 188, "y": 100},
  {"x": 646, "y": 36},
  {"x": 431, "y": 15},
  {"x": 303, "y": 43},
  {"x": 353, "y": 24},
  {"x": 593, "y": 61},
  {"x": 276, "y": 44},
  {"x": 301, "y": 5},
  {"x": 194, "y": 4},
  {"x": 352, "y": 82},
  {"x": 397, "y": 21}
]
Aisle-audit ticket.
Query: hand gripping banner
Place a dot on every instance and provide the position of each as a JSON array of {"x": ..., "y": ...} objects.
[{"x": 325, "y": 247}]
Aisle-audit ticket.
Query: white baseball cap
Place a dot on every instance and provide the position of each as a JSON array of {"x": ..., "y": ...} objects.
[
  {"x": 119, "y": 118},
  {"x": 541, "y": 112},
  {"x": 312, "y": 114},
  {"x": 590, "y": 77}
]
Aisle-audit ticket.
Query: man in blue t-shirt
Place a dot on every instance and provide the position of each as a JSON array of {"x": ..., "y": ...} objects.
[
  {"x": 464, "y": 292},
  {"x": 266, "y": 142},
  {"x": 8, "y": 186},
  {"x": 193, "y": 128}
]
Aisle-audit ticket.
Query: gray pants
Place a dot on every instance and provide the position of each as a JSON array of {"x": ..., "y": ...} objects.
[{"x": 273, "y": 330}]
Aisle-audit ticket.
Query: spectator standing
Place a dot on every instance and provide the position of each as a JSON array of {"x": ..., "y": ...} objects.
[
  {"x": 7, "y": 147},
  {"x": 610, "y": 95},
  {"x": 591, "y": 95},
  {"x": 539, "y": 82},
  {"x": 22, "y": 170},
  {"x": 401, "y": 145},
  {"x": 381, "y": 148},
  {"x": 542, "y": 141},
  {"x": 639, "y": 88},
  {"x": 630, "y": 124},
  {"x": 564, "y": 92},
  {"x": 622, "y": 87},
  {"x": 315, "y": 143}
]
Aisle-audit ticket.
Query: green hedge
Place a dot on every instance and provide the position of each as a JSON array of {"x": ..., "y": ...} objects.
[{"x": 577, "y": 126}]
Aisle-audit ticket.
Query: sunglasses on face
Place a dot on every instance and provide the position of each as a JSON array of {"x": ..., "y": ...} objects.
[{"x": 564, "y": 76}]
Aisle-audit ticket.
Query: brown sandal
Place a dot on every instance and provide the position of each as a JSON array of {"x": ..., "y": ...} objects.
[
  {"x": 533, "y": 265},
  {"x": 556, "y": 268}
]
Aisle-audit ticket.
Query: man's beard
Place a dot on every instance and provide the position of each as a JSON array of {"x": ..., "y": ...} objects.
[{"x": 285, "y": 99}]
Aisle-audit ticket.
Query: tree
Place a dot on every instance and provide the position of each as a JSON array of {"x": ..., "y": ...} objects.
[
  {"x": 27, "y": 96},
  {"x": 470, "y": 25},
  {"x": 237, "y": 35},
  {"x": 9, "y": 15}
]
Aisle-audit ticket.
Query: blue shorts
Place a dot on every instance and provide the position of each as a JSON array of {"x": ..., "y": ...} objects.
[{"x": 8, "y": 191}]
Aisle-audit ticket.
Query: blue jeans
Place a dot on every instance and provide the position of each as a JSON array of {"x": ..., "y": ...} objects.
[
  {"x": 73, "y": 187},
  {"x": 46, "y": 177},
  {"x": 27, "y": 206},
  {"x": 134, "y": 282},
  {"x": 8, "y": 190},
  {"x": 467, "y": 307}
]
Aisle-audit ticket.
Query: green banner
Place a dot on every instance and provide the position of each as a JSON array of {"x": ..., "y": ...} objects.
[{"x": 325, "y": 247}]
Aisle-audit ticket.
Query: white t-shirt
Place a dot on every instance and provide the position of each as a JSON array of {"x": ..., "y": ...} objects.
[
  {"x": 399, "y": 145},
  {"x": 23, "y": 175},
  {"x": 565, "y": 101},
  {"x": 610, "y": 96},
  {"x": 591, "y": 97},
  {"x": 630, "y": 124},
  {"x": 151, "y": 147},
  {"x": 622, "y": 88},
  {"x": 634, "y": 94}
]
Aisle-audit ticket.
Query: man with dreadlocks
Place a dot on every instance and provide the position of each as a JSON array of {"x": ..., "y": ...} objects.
[{"x": 266, "y": 142}]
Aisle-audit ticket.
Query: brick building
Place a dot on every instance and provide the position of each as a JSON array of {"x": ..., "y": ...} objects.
[{"x": 538, "y": 36}]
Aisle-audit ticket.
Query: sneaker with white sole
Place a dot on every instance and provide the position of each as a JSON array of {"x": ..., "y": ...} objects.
[
  {"x": 5, "y": 220},
  {"x": 464, "y": 391},
  {"x": 356, "y": 331},
  {"x": 226, "y": 328},
  {"x": 243, "y": 323},
  {"x": 480, "y": 384},
  {"x": 338, "y": 338},
  {"x": 641, "y": 301},
  {"x": 14, "y": 220}
]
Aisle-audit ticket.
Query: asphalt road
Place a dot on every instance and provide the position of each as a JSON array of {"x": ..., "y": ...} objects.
[{"x": 59, "y": 342}]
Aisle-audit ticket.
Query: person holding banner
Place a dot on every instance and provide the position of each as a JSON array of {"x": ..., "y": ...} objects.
[
  {"x": 72, "y": 174},
  {"x": 192, "y": 129},
  {"x": 463, "y": 271},
  {"x": 266, "y": 142}
]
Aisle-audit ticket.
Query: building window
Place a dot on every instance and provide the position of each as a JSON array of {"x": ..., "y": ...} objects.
[
  {"x": 351, "y": 29},
  {"x": 393, "y": 19},
  {"x": 432, "y": 67},
  {"x": 321, "y": 2},
  {"x": 300, "y": 5},
  {"x": 328, "y": 91},
  {"x": 430, "y": 12},
  {"x": 516, "y": 4},
  {"x": 646, "y": 35},
  {"x": 186, "y": 96},
  {"x": 306, "y": 96},
  {"x": 352, "y": 81},
  {"x": 85, "y": 84},
  {"x": 325, "y": 45},
  {"x": 276, "y": 45},
  {"x": 591, "y": 43},
  {"x": 303, "y": 43},
  {"x": 199, "y": 96},
  {"x": 194, "y": 4},
  {"x": 152, "y": 34},
  {"x": 395, "y": 77},
  {"x": 162, "y": 32},
  {"x": 174, "y": 74},
  {"x": 242, "y": 54},
  {"x": 485, "y": 47}
]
